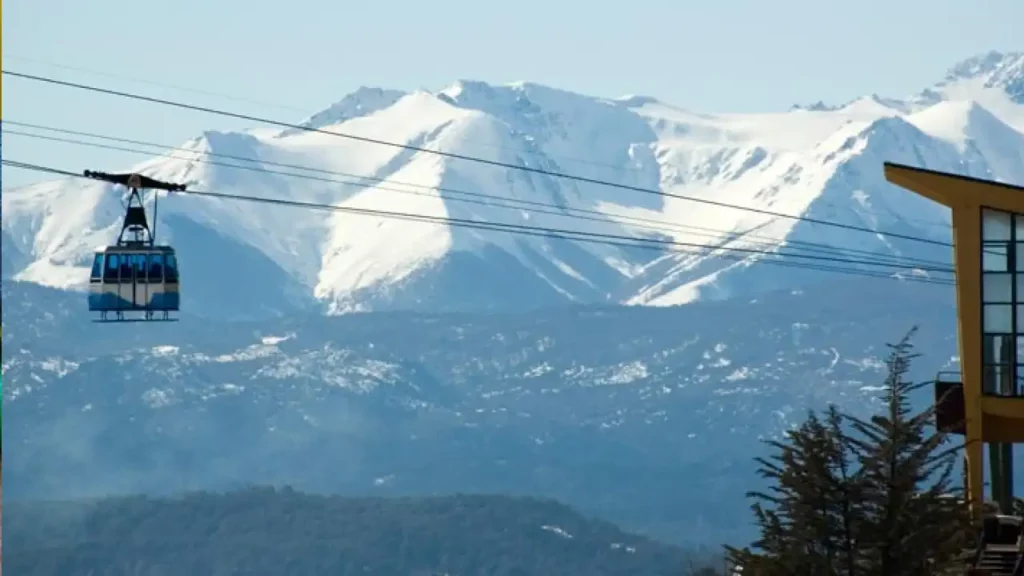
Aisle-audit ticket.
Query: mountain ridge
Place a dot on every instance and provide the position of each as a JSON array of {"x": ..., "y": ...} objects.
[
  {"x": 823, "y": 163},
  {"x": 266, "y": 531}
]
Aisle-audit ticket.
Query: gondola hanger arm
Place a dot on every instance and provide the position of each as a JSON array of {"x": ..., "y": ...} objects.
[{"x": 135, "y": 181}]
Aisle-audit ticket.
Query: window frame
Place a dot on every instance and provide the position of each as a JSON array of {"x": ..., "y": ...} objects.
[
  {"x": 112, "y": 268},
  {"x": 1010, "y": 356},
  {"x": 155, "y": 268},
  {"x": 170, "y": 268},
  {"x": 98, "y": 267}
]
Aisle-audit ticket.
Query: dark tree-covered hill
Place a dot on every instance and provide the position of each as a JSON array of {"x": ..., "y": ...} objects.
[{"x": 265, "y": 531}]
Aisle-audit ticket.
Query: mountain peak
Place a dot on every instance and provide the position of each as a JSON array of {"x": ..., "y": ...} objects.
[
  {"x": 468, "y": 88},
  {"x": 364, "y": 101},
  {"x": 818, "y": 106},
  {"x": 225, "y": 142},
  {"x": 1002, "y": 70},
  {"x": 636, "y": 100},
  {"x": 986, "y": 64},
  {"x": 872, "y": 102}
]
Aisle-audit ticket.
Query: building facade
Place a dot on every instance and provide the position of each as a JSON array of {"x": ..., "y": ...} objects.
[{"x": 988, "y": 257}]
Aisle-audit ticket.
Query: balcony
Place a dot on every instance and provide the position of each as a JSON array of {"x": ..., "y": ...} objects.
[
  {"x": 1002, "y": 416},
  {"x": 949, "y": 403}
]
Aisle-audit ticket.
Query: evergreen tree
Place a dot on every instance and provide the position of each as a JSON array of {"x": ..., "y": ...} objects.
[
  {"x": 808, "y": 518},
  {"x": 853, "y": 497},
  {"x": 913, "y": 525}
]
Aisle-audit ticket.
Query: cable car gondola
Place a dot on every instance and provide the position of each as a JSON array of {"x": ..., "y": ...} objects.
[{"x": 135, "y": 275}]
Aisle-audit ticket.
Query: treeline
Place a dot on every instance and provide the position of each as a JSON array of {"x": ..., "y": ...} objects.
[{"x": 273, "y": 532}]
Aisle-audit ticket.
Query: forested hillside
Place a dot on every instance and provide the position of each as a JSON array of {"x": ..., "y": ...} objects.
[{"x": 263, "y": 531}]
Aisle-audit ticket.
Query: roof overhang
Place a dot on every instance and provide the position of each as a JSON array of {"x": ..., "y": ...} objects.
[{"x": 954, "y": 190}]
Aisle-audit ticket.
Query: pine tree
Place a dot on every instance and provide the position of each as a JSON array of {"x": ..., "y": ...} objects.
[
  {"x": 808, "y": 518},
  {"x": 913, "y": 525},
  {"x": 845, "y": 492},
  {"x": 854, "y": 497}
]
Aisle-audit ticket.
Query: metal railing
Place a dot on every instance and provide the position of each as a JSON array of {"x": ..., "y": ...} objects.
[{"x": 950, "y": 377}]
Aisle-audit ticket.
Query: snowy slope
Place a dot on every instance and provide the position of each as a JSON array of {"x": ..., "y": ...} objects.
[{"x": 819, "y": 161}]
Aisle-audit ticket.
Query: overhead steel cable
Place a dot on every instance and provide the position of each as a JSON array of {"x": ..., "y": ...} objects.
[
  {"x": 554, "y": 233},
  {"x": 238, "y": 99},
  {"x": 559, "y": 211},
  {"x": 305, "y": 112},
  {"x": 496, "y": 163},
  {"x": 708, "y": 249}
]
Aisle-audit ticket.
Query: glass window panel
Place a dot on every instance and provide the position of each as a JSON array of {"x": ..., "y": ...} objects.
[
  {"x": 998, "y": 349},
  {"x": 97, "y": 267},
  {"x": 139, "y": 265},
  {"x": 1019, "y": 252},
  {"x": 997, "y": 318},
  {"x": 1020, "y": 351},
  {"x": 996, "y": 288},
  {"x": 171, "y": 269},
  {"x": 126, "y": 269},
  {"x": 996, "y": 379},
  {"x": 1018, "y": 224},
  {"x": 995, "y": 225},
  {"x": 1005, "y": 384},
  {"x": 993, "y": 258},
  {"x": 1020, "y": 318},
  {"x": 156, "y": 268},
  {"x": 112, "y": 267}
]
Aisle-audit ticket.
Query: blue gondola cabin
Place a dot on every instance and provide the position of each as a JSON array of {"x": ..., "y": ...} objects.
[{"x": 134, "y": 279}]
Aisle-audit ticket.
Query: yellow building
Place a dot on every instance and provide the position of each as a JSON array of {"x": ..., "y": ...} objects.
[{"x": 988, "y": 255}]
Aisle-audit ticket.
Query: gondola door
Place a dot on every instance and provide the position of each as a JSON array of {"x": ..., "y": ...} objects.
[
  {"x": 140, "y": 292},
  {"x": 126, "y": 283}
]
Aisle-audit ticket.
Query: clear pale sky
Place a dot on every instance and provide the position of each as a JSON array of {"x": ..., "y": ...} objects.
[{"x": 299, "y": 56}]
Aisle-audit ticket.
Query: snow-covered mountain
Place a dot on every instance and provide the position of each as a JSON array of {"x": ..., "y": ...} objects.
[{"x": 820, "y": 161}]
